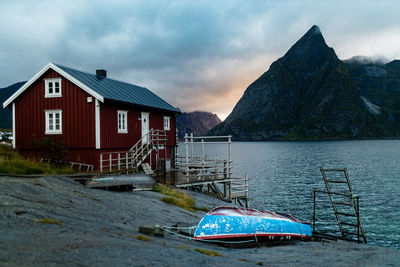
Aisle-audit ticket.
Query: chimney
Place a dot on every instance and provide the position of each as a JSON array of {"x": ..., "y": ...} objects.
[{"x": 101, "y": 74}]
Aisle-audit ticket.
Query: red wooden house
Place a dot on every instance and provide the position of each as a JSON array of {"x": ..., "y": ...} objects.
[{"x": 91, "y": 114}]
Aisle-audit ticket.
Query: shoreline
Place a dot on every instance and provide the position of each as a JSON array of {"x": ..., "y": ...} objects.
[{"x": 100, "y": 228}]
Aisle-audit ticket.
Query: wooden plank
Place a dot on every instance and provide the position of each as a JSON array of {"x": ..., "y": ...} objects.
[
  {"x": 337, "y": 182},
  {"x": 238, "y": 196},
  {"x": 346, "y": 214},
  {"x": 333, "y": 170},
  {"x": 147, "y": 169}
]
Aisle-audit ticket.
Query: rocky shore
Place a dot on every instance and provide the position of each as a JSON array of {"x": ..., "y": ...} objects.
[{"x": 91, "y": 227}]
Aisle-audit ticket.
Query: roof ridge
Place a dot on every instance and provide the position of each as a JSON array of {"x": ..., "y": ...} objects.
[
  {"x": 108, "y": 78},
  {"x": 119, "y": 90}
]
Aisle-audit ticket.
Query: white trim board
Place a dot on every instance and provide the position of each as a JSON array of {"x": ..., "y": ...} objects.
[
  {"x": 61, "y": 72},
  {"x": 97, "y": 122},
  {"x": 13, "y": 126}
]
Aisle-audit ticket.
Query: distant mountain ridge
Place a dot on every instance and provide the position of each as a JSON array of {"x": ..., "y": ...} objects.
[
  {"x": 197, "y": 122},
  {"x": 310, "y": 94},
  {"x": 363, "y": 60},
  {"x": 5, "y": 114}
]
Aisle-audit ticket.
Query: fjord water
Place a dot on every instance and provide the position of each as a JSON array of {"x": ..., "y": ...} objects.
[{"x": 283, "y": 176}]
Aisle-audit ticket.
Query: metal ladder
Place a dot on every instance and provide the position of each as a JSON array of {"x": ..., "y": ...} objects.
[{"x": 345, "y": 205}]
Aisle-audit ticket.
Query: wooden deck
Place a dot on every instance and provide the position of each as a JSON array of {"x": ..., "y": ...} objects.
[{"x": 229, "y": 189}]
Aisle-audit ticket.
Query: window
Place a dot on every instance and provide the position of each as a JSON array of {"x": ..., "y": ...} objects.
[
  {"x": 53, "y": 121},
  {"x": 122, "y": 121},
  {"x": 166, "y": 123},
  {"x": 52, "y": 87}
]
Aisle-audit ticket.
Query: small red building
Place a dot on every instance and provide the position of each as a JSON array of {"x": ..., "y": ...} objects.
[{"x": 90, "y": 113}]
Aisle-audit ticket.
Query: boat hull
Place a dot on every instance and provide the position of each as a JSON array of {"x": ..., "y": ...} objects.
[{"x": 234, "y": 223}]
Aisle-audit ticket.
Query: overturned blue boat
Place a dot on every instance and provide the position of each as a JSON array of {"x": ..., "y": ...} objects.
[{"x": 233, "y": 223}]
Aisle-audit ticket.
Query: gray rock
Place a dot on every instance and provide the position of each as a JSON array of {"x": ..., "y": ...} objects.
[{"x": 100, "y": 228}]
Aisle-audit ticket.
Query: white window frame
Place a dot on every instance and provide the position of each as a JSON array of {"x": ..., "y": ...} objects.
[
  {"x": 50, "y": 83},
  {"x": 167, "y": 123},
  {"x": 50, "y": 118},
  {"x": 122, "y": 121}
]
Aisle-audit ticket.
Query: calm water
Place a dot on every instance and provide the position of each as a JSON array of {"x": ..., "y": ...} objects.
[{"x": 283, "y": 176}]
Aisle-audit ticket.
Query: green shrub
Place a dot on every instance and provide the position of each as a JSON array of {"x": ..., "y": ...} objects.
[{"x": 53, "y": 150}]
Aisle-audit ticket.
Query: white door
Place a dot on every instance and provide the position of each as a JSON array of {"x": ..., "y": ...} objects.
[{"x": 145, "y": 126}]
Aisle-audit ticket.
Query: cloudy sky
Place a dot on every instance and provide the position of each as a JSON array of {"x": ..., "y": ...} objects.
[{"x": 197, "y": 55}]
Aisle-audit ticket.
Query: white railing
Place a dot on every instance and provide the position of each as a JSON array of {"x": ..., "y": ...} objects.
[
  {"x": 201, "y": 166},
  {"x": 199, "y": 169}
]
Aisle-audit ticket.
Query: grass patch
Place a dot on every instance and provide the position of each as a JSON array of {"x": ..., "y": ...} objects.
[
  {"x": 208, "y": 252},
  {"x": 143, "y": 238},
  {"x": 49, "y": 221},
  {"x": 186, "y": 203},
  {"x": 243, "y": 259},
  {"x": 175, "y": 197},
  {"x": 11, "y": 162},
  {"x": 165, "y": 190}
]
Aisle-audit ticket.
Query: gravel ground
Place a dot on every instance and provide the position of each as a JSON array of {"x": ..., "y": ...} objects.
[{"x": 100, "y": 228}]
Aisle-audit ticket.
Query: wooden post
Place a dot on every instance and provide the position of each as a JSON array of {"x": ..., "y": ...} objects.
[
  {"x": 202, "y": 159},
  {"x": 101, "y": 162},
  {"x": 225, "y": 189},
  {"x": 230, "y": 190},
  {"x": 151, "y": 160},
  {"x": 119, "y": 161},
  {"x": 229, "y": 166},
  {"x": 187, "y": 154},
  {"x": 110, "y": 158},
  {"x": 202, "y": 150},
  {"x": 191, "y": 148},
  {"x": 216, "y": 168},
  {"x": 229, "y": 156},
  {"x": 157, "y": 158},
  {"x": 127, "y": 161}
]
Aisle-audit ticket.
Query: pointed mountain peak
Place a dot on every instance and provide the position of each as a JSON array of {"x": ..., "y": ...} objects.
[
  {"x": 313, "y": 36},
  {"x": 315, "y": 30},
  {"x": 310, "y": 46}
]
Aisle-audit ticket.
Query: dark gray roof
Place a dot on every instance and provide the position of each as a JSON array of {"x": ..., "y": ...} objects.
[{"x": 120, "y": 91}]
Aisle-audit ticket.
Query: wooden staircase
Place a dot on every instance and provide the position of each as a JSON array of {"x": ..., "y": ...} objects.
[
  {"x": 344, "y": 203},
  {"x": 131, "y": 160}
]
